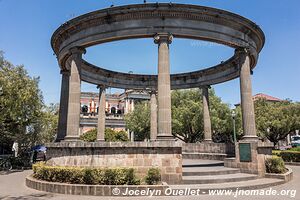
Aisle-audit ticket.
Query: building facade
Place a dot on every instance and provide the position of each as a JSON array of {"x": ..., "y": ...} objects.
[{"x": 116, "y": 106}]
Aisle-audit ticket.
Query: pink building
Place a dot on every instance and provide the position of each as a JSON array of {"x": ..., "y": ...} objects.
[{"x": 117, "y": 105}]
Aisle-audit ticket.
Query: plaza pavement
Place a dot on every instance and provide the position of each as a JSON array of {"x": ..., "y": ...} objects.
[{"x": 12, "y": 187}]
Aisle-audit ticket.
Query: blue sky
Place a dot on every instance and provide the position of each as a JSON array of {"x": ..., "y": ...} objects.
[{"x": 26, "y": 28}]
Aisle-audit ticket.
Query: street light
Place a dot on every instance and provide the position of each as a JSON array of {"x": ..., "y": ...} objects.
[{"x": 233, "y": 115}]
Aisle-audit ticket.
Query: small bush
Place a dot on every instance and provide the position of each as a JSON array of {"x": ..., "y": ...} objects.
[
  {"x": 275, "y": 165},
  {"x": 115, "y": 136},
  {"x": 153, "y": 176},
  {"x": 80, "y": 175},
  {"x": 89, "y": 136},
  {"x": 131, "y": 177},
  {"x": 290, "y": 156},
  {"x": 110, "y": 136}
]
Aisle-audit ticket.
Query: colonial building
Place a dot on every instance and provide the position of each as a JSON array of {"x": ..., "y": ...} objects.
[
  {"x": 117, "y": 105},
  {"x": 266, "y": 97}
]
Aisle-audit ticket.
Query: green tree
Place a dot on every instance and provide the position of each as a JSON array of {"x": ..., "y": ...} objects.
[
  {"x": 21, "y": 103},
  {"x": 221, "y": 119},
  {"x": 187, "y": 117},
  {"x": 275, "y": 120},
  {"x": 44, "y": 130},
  {"x": 138, "y": 121}
]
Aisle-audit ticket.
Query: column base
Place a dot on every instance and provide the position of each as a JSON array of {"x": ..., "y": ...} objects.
[
  {"x": 250, "y": 138},
  {"x": 58, "y": 139},
  {"x": 165, "y": 138},
  {"x": 100, "y": 140},
  {"x": 207, "y": 141},
  {"x": 71, "y": 138}
]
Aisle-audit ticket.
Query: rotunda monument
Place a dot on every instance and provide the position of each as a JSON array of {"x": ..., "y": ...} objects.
[{"x": 163, "y": 22}]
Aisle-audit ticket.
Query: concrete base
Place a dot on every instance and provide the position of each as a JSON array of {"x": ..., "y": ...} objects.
[
  {"x": 259, "y": 151},
  {"x": 207, "y": 141},
  {"x": 166, "y": 138},
  {"x": 71, "y": 139},
  {"x": 165, "y": 155},
  {"x": 250, "y": 138}
]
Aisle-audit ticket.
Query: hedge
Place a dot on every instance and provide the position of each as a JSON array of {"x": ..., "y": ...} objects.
[
  {"x": 80, "y": 175},
  {"x": 288, "y": 155},
  {"x": 275, "y": 165},
  {"x": 93, "y": 176}
]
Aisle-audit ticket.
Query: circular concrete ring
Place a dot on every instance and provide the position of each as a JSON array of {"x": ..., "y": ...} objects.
[{"x": 145, "y": 21}]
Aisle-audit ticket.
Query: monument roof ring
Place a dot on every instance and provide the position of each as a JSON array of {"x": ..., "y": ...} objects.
[{"x": 145, "y": 21}]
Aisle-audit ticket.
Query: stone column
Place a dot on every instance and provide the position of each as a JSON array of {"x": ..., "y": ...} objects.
[
  {"x": 288, "y": 137},
  {"x": 132, "y": 105},
  {"x": 164, "y": 87},
  {"x": 63, "y": 106},
  {"x": 101, "y": 114},
  {"x": 126, "y": 106},
  {"x": 247, "y": 106},
  {"x": 74, "y": 62},
  {"x": 206, "y": 115},
  {"x": 153, "y": 122}
]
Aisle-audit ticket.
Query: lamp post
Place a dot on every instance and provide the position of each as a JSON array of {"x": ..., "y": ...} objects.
[{"x": 233, "y": 115}]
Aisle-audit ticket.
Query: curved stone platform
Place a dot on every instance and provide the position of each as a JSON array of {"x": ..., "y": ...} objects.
[{"x": 165, "y": 155}]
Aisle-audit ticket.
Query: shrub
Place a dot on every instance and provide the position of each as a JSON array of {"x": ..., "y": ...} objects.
[
  {"x": 290, "y": 156},
  {"x": 295, "y": 149},
  {"x": 276, "y": 152},
  {"x": 275, "y": 165},
  {"x": 131, "y": 177},
  {"x": 80, "y": 175},
  {"x": 110, "y": 136},
  {"x": 153, "y": 176},
  {"x": 115, "y": 136},
  {"x": 89, "y": 136}
]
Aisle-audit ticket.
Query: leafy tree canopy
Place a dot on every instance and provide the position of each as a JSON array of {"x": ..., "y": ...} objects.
[
  {"x": 24, "y": 117},
  {"x": 275, "y": 120},
  {"x": 138, "y": 121},
  {"x": 187, "y": 117}
]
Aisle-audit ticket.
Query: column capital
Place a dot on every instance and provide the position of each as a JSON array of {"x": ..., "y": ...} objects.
[
  {"x": 65, "y": 72},
  {"x": 102, "y": 87},
  {"x": 163, "y": 38},
  {"x": 152, "y": 92},
  {"x": 205, "y": 87},
  {"x": 243, "y": 50},
  {"x": 77, "y": 51},
  {"x": 243, "y": 53}
]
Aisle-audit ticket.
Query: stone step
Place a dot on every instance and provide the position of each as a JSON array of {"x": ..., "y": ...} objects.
[
  {"x": 241, "y": 185},
  {"x": 218, "y": 178},
  {"x": 209, "y": 156},
  {"x": 203, "y": 171},
  {"x": 201, "y": 163}
]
